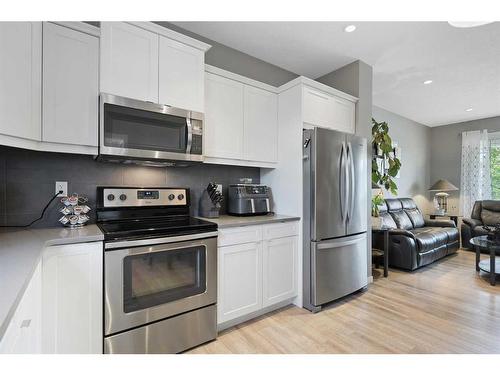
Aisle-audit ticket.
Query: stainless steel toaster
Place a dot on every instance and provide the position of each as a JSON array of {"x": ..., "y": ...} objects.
[{"x": 249, "y": 199}]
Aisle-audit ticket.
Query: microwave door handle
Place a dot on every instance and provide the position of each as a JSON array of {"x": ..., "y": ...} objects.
[{"x": 189, "y": 135}]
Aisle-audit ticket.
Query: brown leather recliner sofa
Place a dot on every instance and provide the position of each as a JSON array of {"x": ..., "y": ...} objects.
[
  {"x": 484, "y": 213},
  {"x": 414, "y": 241}
]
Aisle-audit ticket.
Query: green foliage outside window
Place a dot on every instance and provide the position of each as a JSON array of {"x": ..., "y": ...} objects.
[{"x": 495, "y": 170}]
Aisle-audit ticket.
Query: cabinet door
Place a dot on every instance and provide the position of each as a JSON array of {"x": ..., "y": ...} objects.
[
  {"x": 260, "y": 133},
  {"x": 328, "y": 111},
  {"x": 182, "y": 75},
  {"x": 20, "y": 78},
  {"x": 279, "y": 270},
  {"x": 345, "y": 115},
  {"x": 223, "y": 129},
  {"x": 239, "y": 280},
  {"x": 23, "y": 335},
  {"x": 129, "y": 61},
  {"x": 72, "y": 299},
  {"x": 70, "y": 86}
]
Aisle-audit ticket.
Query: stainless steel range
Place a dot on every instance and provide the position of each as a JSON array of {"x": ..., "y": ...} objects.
[{"x": 160, "y": 271}]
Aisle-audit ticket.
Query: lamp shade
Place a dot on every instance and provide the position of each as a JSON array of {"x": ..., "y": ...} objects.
[{"x": 443, "y": 185}]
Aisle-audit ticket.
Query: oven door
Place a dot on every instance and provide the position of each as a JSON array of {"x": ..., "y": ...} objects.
[
  {"x": 148, "y": 283},
  {"x": 135, "y": 129}
]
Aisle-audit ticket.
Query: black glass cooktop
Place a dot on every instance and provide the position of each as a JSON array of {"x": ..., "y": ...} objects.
[{"x": 154, "y": 227}]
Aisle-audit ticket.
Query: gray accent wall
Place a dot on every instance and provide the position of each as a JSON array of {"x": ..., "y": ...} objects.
[
  {"x": 236, "y": 61},
  {"x": 446, "y": 152},
  {"x": 27, "y": 181},
  {"x": 414, "y": 139},
  {"x": 356, "y": 79}
]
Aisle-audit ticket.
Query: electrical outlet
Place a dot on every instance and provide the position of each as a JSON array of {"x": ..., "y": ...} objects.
[{"x": 62, "y": 185}]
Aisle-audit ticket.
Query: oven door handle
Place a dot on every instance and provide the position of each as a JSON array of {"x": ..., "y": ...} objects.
[
  {"x": 189, "y": 128},
  {"x": 158, "y": 241}
]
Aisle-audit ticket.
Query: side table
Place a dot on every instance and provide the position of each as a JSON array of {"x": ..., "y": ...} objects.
[
  {"x": 451, "y": 216},
  {"x": 491, "y": 265},
  {"x": 385, "y": 232}
]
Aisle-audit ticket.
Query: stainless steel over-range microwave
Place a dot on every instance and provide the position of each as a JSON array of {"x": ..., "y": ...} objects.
[{"x": 148, "y": 132}]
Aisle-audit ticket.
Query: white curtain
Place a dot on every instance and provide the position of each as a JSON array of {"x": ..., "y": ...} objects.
[{"x": 475, "y": 176}]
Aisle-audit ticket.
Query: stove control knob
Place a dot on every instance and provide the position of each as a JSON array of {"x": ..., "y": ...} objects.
[
  {"x": 180, "y": 197},
  {"x": 111, "y": 197},
  {"x": 123, "y": 197},
  {"x": 171, "y": 197}
]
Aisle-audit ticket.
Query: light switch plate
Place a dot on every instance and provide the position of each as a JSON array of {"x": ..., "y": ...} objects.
[{"x": 62, "y": 185}]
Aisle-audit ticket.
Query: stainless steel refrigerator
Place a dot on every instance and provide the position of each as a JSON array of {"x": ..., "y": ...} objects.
[{"x": 335, "y": 216}]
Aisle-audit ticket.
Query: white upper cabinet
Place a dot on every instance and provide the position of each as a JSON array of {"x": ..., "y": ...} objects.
[
  {"x": 145, "y": 61},
  {"x": 223, "y": 126},
  {"x": 70, "y": 86},
  {"x": 181, "y": 75},
  {"x": 129, "y": 61},
  {"x": 260, "y": 134},
  {"x": 328, "y": 111},
  {"x": 241, "y": 120},
  {"x": 20, "y": 78}
]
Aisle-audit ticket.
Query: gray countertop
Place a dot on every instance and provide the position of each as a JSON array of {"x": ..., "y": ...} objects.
[
  {"x": 20, "y": 253},
  {"x": 227, "y": 221}
]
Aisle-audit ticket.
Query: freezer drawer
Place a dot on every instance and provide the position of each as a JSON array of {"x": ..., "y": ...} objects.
[{"x": 339, "y": 268}]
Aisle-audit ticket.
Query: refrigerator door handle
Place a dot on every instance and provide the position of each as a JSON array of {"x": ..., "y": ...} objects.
[
  {"x": 347, "y": 193},
  {"x": 352, "y": 180},
  {"x": 342, "y": 183}
]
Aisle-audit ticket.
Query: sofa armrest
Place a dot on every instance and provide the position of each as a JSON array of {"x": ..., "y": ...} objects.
[
  {"x": 472, "y": 222},
  {"x": 439, "y": 223},
  {"x": 401, "y": 232}
]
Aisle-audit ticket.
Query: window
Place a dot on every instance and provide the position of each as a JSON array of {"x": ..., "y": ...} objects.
[{"x": 494, "y": 139}]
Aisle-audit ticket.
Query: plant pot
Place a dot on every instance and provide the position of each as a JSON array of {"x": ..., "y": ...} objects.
[{"x": 376, "y": 222}]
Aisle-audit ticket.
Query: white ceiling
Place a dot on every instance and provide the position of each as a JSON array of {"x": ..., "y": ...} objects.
[{"x": 464, "y": 63}]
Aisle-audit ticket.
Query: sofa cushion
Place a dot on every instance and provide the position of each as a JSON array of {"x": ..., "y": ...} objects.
[
  {"x": 452, "y": 233},
  {"x": 393, "y": 204},
  {"x": 402, "y": 220},
  {"x": 408, "y": 203},
  {"x": 490, "y": 217},
  {"x": 430, "y": 238},
  {"x": 387, "y": 220},
  {"x": 416, "y": 217}
]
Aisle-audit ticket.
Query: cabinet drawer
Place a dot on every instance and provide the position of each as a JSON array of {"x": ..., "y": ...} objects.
[
  {"x": 240, "y": 235},
  {"x": 280, "y": 230}
]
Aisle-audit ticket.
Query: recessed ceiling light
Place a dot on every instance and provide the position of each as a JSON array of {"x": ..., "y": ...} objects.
[
  {"x": 428, "y": 82},
  {"x": 350, "y": 28},
  {"x": 468, "y": 110}
]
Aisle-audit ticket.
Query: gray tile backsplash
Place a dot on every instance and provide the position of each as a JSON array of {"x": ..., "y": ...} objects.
[{"x": 27, "y": 181}]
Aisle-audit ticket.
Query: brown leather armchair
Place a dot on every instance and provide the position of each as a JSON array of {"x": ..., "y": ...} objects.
[{"x": 484, "y": 213}]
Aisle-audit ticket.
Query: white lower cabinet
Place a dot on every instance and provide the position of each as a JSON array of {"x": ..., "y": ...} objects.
[
  {"x": 240, "y": 280},
  {"x": 257, "y": 270},
  {"x": 280, "y": 270},
  {"x": 23, "y": 335},
  {"x": 72, "y": 298}
]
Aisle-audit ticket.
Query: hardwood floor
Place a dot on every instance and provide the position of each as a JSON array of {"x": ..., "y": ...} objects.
[{"x": 443, "y": 308}]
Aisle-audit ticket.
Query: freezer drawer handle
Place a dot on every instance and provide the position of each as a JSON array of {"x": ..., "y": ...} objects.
[{"x": 336, "y": 244}]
